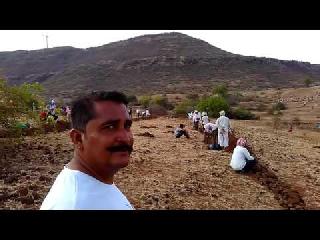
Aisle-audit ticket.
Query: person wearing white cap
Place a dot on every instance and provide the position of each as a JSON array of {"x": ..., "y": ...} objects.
[
  {"x": 223, "y": 124},
  {"x": 195, "y": 119},
  {"x": 205, "y": 119}
]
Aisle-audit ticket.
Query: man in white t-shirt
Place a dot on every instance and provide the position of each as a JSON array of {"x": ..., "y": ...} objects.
[{"x": 103, "y": 143}]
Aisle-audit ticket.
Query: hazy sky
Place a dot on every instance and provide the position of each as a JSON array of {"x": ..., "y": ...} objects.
[{"x": 301, "y": 45}]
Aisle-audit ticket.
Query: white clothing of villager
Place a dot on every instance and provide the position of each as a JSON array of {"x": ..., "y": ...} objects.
[
  {"x": 210, "y": 127},
  {"x": 196, "y": 117},
  {"x": 205, "y": 120},
  {"x": 223, "y": 124},
  {"x": 75, "y": 190},
  {"x": 239, "y": 157}
]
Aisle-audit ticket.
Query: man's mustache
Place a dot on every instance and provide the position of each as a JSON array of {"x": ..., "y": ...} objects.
[{"x": 121, "y": 148}]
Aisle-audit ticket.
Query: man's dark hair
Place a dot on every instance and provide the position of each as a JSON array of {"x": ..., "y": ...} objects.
[
  {"x": 82, "y": 109},
  {"x": 181, "y": 125}
]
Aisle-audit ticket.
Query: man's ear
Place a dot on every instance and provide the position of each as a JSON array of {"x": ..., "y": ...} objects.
[{"x": 76, "y": 138}]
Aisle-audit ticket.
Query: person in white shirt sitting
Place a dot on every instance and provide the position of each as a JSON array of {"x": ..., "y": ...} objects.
[
  {"x": 241, "y": 160},
  {"x": 103, "y": 142}
]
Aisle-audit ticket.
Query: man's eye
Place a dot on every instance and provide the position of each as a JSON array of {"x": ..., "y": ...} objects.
[
  {"x": 109, "y": 127},
  {"x": 128, "y": 126}
]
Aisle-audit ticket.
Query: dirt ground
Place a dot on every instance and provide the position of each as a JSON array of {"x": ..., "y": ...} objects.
[{"x": 170, "y": 173}]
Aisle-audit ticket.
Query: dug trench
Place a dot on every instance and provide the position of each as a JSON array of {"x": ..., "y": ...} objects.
[{"x": 286, "y": 195}]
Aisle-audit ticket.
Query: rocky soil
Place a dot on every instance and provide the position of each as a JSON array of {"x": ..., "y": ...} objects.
[{"x": 170, "y": 173}]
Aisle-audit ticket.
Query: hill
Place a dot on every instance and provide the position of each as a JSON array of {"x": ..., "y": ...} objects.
[{"x": 169, "y": 62}]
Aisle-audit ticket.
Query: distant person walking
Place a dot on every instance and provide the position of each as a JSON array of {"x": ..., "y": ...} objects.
[
  {"x": 223, "y": 124},
  {"x": 130, "y": 112}
]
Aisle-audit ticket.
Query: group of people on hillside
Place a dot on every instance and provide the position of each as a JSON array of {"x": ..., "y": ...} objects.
[
  {"x": 51, "y": 114},
  {"x": 218, "y": 130},
  {"x": 216, "y": 135},
  {"x": 143, "y": 113}
]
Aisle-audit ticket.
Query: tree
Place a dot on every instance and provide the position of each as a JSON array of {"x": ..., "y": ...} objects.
[
  {"x": 144, "y": 101},
  {"x": 213, "y": 105},
  {"x": 279, "y": 106},
  {"x": 242, "y": 114},
  {"x": 18, "y": 102},
  {"x": 159, "y": 100},
  {"x": 307, "y": 82}
]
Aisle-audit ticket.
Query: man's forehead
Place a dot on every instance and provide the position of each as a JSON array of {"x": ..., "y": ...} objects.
[
  {"x": 109, "y": 106},
  {"x": 109, "y": 109}
]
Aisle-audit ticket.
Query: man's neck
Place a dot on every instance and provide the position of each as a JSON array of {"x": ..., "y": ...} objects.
[{"x": 78, "y": 164}]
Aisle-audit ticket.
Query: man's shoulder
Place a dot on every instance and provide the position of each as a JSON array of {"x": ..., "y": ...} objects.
[{"x": 63, "y": 192}]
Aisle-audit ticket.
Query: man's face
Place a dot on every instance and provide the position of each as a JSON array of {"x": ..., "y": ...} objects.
[{"x": 108, "y": 140}]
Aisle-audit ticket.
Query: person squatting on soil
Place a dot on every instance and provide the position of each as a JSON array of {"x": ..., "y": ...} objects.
[
  {"x": 223, "y": 124},
  {"x": 180, "y": 131},
  {"x": 241, "y": 160},
  {"x": 103, "y": 141},
  {"x": 210, "y": 133}
]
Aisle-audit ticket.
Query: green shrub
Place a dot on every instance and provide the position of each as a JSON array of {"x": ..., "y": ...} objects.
[
  {"x": 144, "y": 101},
  {"x": 308, "y": 81},
  {"x": 221, "y": 90},
  {"x": 213, "y": 105},
  {"x": 17, "y": 103},
  {"x": 279, "y": 106},
  {"x": 159, "y": 100},
  {"x": 242, "y": 114}
]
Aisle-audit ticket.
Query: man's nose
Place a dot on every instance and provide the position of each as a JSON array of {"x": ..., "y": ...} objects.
[{"x": 124, "y": 136}]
